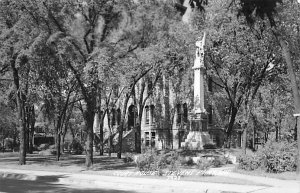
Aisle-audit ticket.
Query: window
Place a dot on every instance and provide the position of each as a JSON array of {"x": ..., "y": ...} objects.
[
  {"x": 115, "y": 91},
  {"x": 131, "y": 117},
  {"x": 214, "y": 138},
  {"x": 152, "y": 139},
  {"x": 147, "y": 139},
  {"x": 147, "y": 114},
  {"x": 152, "y": 113},
  {"x": 150, "y": 85}
]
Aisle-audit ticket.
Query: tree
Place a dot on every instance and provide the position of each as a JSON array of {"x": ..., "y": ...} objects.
[
  {"x": 16, "y": 48},
  {"x": 238, "y": 58},
  {"x": 285, "y": 29}
]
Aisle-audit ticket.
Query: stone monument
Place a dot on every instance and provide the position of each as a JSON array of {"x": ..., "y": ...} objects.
[{"x": 198, "y": 134}]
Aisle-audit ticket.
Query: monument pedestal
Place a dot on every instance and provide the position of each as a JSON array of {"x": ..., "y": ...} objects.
[{"x": 198, "y": 134}]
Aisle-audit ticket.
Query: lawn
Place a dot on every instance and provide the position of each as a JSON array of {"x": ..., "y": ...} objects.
[{"x": 281, "y": 176}]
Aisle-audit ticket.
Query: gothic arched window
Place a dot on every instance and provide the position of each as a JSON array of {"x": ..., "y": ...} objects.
[{"x": 147, "y": 114}]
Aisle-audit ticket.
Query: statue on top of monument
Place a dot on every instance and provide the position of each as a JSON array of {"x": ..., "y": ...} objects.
[{"x": 199, "y": 60}]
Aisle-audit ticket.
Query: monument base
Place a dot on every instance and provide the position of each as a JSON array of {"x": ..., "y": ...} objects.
[{"x": 198, "y": 134}]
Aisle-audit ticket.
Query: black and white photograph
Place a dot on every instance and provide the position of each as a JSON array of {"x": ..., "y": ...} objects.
[{"x": 150, "y": 96}]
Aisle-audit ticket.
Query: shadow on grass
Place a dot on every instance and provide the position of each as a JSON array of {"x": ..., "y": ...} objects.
[
  {"x": 47, "y": 184},
  {"x": 100, "y": 162}
]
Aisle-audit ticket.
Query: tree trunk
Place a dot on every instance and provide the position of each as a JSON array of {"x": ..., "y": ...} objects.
[
  {"x": 254, "y": 148},
  {"x": 138, "y": 147},
  {"x": 233, "y": 114},
  {"x": 254, "y": 132},
  {"x": 277, "y": 133},
  {"x": 287, "y": 56},
  {"x": 22, "y": 151},
  {"x": 31, "y": 129},
  {"x": 57, "y": 136},
  {"x": 20, "y": 113},
  {"x": 62, "y": 140},
  {"x": 245, "y": 126},
  {"x": 27, "y": 120},
  {"x": 57, "y": 145},
  {"x": 245, "y": 138},
  {"x": 167, "y": 120},
  {"x": 122, "y": 125},
  {"x": 101, "y": 139},
  {"x": 109, "y": 118},
  {"x": 109, "y": 142},
  {"x": 30, "y": 150},
  {"x": 89, "y": 119},
  {"x": 27, "y": 136},
  {"x": 295, "y": 130}
]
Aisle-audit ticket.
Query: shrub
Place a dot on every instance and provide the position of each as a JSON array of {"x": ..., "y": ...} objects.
[
  {"x": 76, "y": 147},
  {"x": 128, "y": 158},
  {"x": 249, "y": 162},
  {"x": 279, "y": 156},
  {"x": 186, "y": 161},
  {"x": 152, "y": 161},
  {"x": 203, "y": 164},
  {"x": 145, "y": 160},
  {"x": 274, "y": 157},
  {"x": 218, "y": 162}
]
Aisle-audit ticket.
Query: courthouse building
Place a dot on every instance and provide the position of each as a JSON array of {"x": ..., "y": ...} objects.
[{"x": 170, "y": 118}]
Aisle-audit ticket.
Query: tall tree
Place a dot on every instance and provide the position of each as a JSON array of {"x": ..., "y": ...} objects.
[{"x": 238, "y": 58}]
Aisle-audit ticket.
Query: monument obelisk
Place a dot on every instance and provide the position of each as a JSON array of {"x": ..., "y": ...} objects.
[
  {"x": 199, "y": 69},
  {"x": 198, "y": 134}
]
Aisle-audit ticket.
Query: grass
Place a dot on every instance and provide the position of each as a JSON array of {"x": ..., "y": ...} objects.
[
  {"x": 259, "y": 172},
  {"x": 8, "y": 154}
]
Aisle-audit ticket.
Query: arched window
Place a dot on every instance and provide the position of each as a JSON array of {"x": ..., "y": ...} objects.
[
  {"x": 131, "y": 117},
  {"x": 152, "y": 113},
  {"x": 147, "y": 114}
]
